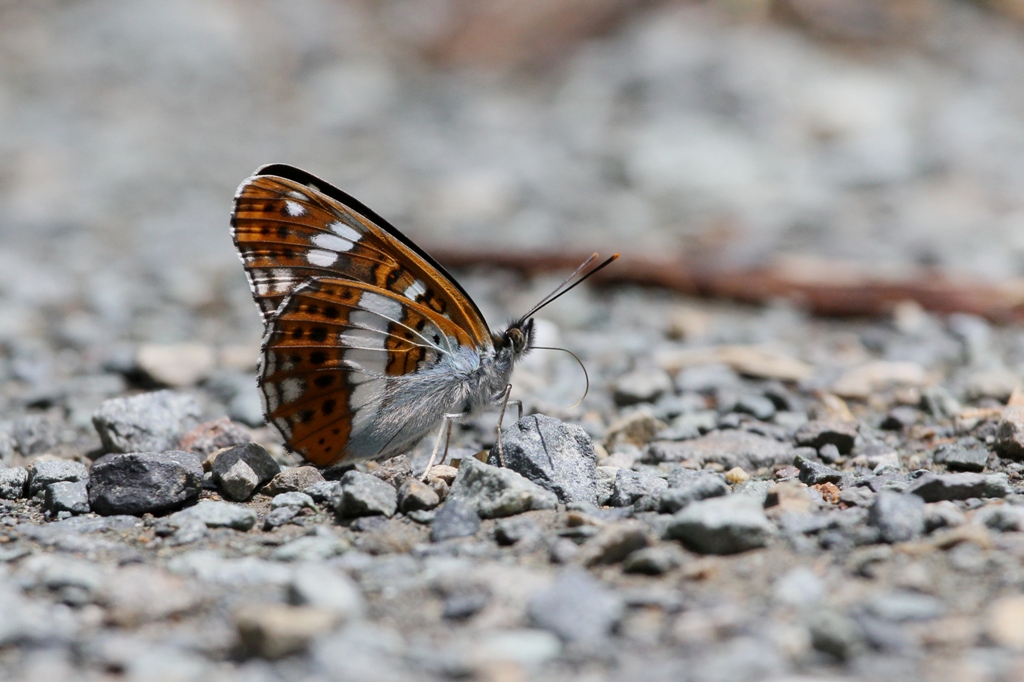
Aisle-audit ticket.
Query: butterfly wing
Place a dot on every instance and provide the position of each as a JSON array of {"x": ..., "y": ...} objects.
[
  {"x": 351, "y": 306},
  {"x": 290, "y": 226},
  {"x": 330, "y": 359}
]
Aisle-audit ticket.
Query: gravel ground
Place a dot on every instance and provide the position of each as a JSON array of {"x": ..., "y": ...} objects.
[{"x": 744, "y": 494}]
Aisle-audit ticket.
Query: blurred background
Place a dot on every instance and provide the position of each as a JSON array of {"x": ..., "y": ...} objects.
[{"x": 883, "y": 132}]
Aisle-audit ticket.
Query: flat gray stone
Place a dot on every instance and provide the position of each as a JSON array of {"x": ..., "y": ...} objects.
[
  {"x": 216, "y": 514},
  {"x": 898, "y": 517},
  {"x": 556, "y": 456},
  {"x": 1010, "y": 433},
  {"x": 576, "y": 608},
  {"x": 686, "y": 487},
  {"x": 364, "y": 495},
  {"x": 630, "y": 486},
  {"x": 43, "y": 472},
  {"x": 494, "y": 492},
  {"x": 69, "y": 496},
  {"x": 815, "y": 434},
  {"x": 722, "y": 525},
  {"x": 454, "y": 519},
  {"x": 730, "y": 448},
  {"x": 150, "y": 422},
  {"x": 937, "y": 487},
  {"x": 140, "y": 482}
]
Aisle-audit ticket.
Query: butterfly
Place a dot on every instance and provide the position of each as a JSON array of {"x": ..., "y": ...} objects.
[{"x": 368, "y": 342}]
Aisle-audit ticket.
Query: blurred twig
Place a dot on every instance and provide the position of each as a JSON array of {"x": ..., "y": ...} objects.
[{"x": 824, "y": 288}]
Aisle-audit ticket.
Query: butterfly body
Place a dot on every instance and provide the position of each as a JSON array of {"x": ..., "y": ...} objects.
[{"x": 368, "y": 342}]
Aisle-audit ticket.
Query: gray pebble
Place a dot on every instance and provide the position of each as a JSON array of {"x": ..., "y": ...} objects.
[
  {"x": 495, "y": 492},
  {"x": 904, "y": 606},
  {"x": 576, "y": 608},
  {"x": 13, "y": 483},
  {"x": 967, "y": 455},
  {"x": 310, "y": 548},
  {"x": 293, "y": 499},
  {"x": 139, "y": 482},
  {"x": 722, "y": 525},
  {"x": 686, "y": 487},
  {"x": 43, "y": 472},
  {"x": 654, "y": 560},
  {"x": 814, "y": 473},
  {"x": 415, "y": 495},
  {"x": 631, "y": 485},
  {"x": 280, "y": 516},
  {"x": 556, "y": 456},
  {"x": 326, "y": 588},
  {"x": 296, "y": 478},
  {"x": 150, "y": 422},
  {"x": 516, "y": 529},
  {"x": 240, "y": 469},
  {"x": 756, "y": 405},
  {"x": 1009, "y": 441},
  {"x": 69, "y": 496},
  {"x": 642, "y": 385},
  {"x": 815, "y": 434},
  {"x": 900, "y": 418},
  {"x": 361, "y": 494},
  {"x": 219, "y": 515},
  {"x": 828, "y": 453},
  {"x": 730, "y": 448},
  {"x": 706, "y": 378},
  {"x": 323, "y": 491},
  {"x": 454, "y": 519},
  {"x": 935, "y": 487},
  {"x": 898, "y": 517}
]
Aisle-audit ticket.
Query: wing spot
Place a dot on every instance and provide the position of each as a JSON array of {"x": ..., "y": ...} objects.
[
  {"x": 294, "y": 209},
  {"x": 324, "y": 380},
  {"x": 328, "y": 406},
  {"x": 295, "y": 359},
  {"x": 318, "y": 357},
  {"x": 298, "y": 333},
  {"x": 306, "y": 416},
  {"x": 321, "y": 258},
  {"x": 332, "y": 312},
  {"x": 335, "y": 432},
  {"x": 282, "y": 231},
  {"x": 318, "y": 334}
]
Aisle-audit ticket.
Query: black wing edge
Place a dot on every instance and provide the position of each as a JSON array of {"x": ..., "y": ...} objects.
[{"x": 283, "y": 170}]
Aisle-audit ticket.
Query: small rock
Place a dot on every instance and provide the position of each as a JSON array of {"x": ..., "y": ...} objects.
[
  {"x": 13, "y": 482},
  {"x": 137, "y": 594},
  {"x": 495, "y": 492},
  {"x": 276, "y": 630},
  {"x": 706, "y": 378},
  {"x": 576, "y": 608},
  {"x": 1004, "y": 518},
  {"x": 827, "y": 453},
  {"x": 280, "y": 516},
  {"x": 722, "y": 525},
  {"x": 291, "y": 480},
  {"x": 942, "y": 515},
  {"x": 631, "y": 485},
  {"x": 614, "y": 542},
  {"x": 813, "y": 473},
  {"x": 1010, "y": 433},
  {"x": 876, "y": 376},
  {"x": 516, "y": 529},
  {"x": 642, "y": 385},
  {"x": 139, "y": 482},
  {"x": 967, "y": 455},
  {"x": 731, "y": 448},
  {"x": 66, "y": 496},
  {"x": 902, "y": 607},
  {"x": 654, "y": 560},
  {"x": 935, "y": 487},
  {"x": 465, "y": 603},
  {"x": 43, "y": 472},
  {"x": 858, "y": 496},
  {"x": 310, "y": 548},
  {"x": 736, "y": 476},
  {"x": 939, "y": 402},
  {"x": 322, "y": 492},
  {"x": 563, "y": 551},
  {"x": 455, "y": 519},
  {"x": 395, "y": 471},
  {"x": 443, "y": 472},
  {"x": 759, "y": 406},
  {"x": 835, "y": 634},
  {"x": 898, "y": 517},
  {"x": 325, "y": 588},
  {"x": 817, "y": 433},
  {"x": 527, "y": 648},
  {"x": 556, "y": 456},
  {"x": 637, "y": 429},
  {"x": 214, "y": 435},
  {"x": 899, "y": 418},
  {"x": 687, "y": 487},
  {"x": 293, "y": 499},
  {"x": 240, "y": 469},
  {"x": 364, "y": 495},
  {"x": 150, "y": 422},
  {"x": 178, "y": 365},
  {"x": 414, "y": 495},
  {"x": 218, "y": 515},
  {"x": 1005, "y": 622}
]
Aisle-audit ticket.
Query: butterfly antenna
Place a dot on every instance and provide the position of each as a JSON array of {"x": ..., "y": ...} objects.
[
  {"x": 582, "y": 366},
  {"x": 568, "y": 285}
]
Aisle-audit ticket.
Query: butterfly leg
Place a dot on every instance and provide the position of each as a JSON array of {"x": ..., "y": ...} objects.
[
  {"x": 446, "y": 428},
  {"x": 501, "y": 417}
]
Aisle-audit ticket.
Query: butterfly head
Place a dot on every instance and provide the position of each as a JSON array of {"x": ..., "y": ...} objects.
[{"x": 516, "y": 340}]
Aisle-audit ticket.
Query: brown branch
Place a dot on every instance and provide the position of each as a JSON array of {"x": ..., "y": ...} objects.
[{"x": 824, "y": 288}]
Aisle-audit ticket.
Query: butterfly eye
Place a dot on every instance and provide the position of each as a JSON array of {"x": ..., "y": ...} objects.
[{"x": 516, "y": 339}]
